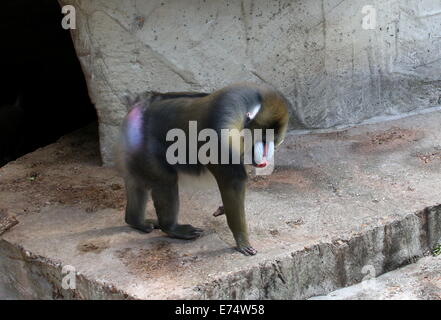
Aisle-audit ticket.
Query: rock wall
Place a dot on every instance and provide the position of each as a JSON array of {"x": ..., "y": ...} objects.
[{"x": 337, "y": 61}]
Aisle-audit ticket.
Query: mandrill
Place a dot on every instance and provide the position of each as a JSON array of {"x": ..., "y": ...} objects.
[{"x": 149, "y": 165}]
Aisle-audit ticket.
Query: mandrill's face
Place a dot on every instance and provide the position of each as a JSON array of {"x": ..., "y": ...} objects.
[
  {"x": 266, "y": 140},
  {"x": 263, "y": 153},
  {"x": 264, "y": 144}
]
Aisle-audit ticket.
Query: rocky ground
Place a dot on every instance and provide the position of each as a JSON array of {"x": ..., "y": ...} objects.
[{"x": 338, "y": 203}]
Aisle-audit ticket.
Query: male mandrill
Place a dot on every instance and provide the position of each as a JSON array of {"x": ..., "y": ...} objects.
[{"x": 145, "y": 142}]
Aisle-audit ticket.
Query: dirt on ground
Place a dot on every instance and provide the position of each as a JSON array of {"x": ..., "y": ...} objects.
[
  {"x": 429, "y": 156},
  {"x": 95, "y": 246},
  {"x": 54, "y": 176},
  {"x": 6, "y": 221},
  {"x": 387, "y": 140},
  {"x": 159, "y": 259}
]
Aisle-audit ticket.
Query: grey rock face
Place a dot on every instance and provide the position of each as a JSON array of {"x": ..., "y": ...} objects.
[{"x": 338, "y": 62}]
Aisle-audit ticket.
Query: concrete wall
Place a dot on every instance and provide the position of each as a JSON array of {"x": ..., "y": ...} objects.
[{"x": 334, "y": 71}]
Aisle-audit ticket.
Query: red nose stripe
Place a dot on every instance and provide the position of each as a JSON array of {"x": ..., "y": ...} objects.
[{"x": 264, "y": 161}]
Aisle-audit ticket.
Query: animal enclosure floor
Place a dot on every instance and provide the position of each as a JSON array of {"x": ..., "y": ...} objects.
[{"x": 336, "y": 203}]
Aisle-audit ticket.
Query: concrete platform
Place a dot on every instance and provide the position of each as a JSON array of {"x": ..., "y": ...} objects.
[{"x": 338, "y": 203}]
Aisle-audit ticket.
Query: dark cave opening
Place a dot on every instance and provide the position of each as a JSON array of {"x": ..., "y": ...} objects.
[{"x": 43, "y": 93}]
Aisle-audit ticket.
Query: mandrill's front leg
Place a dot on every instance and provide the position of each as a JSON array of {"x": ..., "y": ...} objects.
[{"x": 232, "y": 184}]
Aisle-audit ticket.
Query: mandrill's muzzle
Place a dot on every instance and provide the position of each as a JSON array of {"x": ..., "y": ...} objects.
[{"x": 263, "y": 153}]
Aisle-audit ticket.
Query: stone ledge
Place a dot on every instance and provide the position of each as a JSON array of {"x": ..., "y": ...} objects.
[{"x": 337, "y": 202}]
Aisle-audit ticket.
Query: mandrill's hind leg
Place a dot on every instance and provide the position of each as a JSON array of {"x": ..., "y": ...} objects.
[
  {"x": 137, "y": 196},
  {"x": 166, "y": 201}
]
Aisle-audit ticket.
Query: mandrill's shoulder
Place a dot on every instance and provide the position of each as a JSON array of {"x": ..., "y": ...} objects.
[
  {"x": 248, "y": 87},
  {"x": 251, "y": 93}
]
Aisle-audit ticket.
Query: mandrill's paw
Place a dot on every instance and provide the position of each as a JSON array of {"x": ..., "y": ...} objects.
[
  {"x": 220, "y": 211},
  {"x": 247, "y": 250},
  {"x": 184, "y": 231},
  {"x": 147, "y": 226}
]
